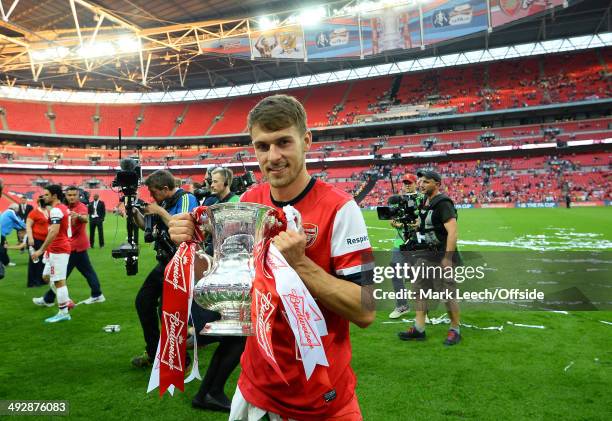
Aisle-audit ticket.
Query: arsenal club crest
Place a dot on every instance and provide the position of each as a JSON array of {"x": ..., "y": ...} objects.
[{"x": 311, "y": 231}]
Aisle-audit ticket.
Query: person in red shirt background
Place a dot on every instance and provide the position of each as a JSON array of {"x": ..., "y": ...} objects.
[
  {"x": 79, "y": 258},
  {"x": 37, "y": 226}
]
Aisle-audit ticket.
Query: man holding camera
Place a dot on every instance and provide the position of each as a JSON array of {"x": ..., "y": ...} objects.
[
  {"x": 437, "y": 233},
  {"x": 169, "y": 200},
  {"x": 404, "y": 234}
]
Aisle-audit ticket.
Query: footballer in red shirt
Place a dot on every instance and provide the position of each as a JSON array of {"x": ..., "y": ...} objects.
[
  {"x": 57, "y": 244},
  {"x": 329, "y": 256}
]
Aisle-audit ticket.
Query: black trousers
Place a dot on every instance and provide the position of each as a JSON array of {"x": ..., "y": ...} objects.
[
  {"x": 93, "y": 224},
  {"x": 225, "y": 358},
  {"x": 4, "y": 258},
  {"x": 148, "y": 305},
  {"x": 35, "y": 270}
]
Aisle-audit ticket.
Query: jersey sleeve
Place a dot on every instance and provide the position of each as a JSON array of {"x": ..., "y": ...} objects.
[
  {"x": 351, "y": 252},
  {"x": 56, "y": 216}
]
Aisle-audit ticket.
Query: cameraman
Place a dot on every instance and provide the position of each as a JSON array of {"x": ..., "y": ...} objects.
[
  {"x": 403, "y": 237},
  {"x": 169, "y": 200},
  {"x": 221, "y": 182},
  {"x": 438, "y": 232}
]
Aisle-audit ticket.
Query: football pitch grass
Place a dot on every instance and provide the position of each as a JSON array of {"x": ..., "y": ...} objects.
[{"x": 563, "y": 371}]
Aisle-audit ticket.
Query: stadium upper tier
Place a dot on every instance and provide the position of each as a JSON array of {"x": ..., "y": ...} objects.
[
  {"x": 507, "y": 84},
  {"x": 516, "y": 135}
]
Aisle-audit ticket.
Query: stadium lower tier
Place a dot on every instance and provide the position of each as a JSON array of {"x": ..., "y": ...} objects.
[{"x": 593, "y": 129}]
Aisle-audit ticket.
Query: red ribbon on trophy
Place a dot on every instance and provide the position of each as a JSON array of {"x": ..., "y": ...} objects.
[
  {"x": 178, "y": 283},
  {"x": 277, "y": 284},
  {"x": 264, "y": 298}
]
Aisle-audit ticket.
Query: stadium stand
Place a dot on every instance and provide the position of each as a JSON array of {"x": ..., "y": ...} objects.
[
  {"x": 159, "y": 120},
  {"x": 499, "y": 85}
]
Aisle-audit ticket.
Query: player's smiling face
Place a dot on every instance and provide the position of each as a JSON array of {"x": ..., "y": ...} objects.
[{"x": 281, "y": 154}]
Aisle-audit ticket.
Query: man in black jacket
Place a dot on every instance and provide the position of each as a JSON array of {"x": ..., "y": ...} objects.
[
  {"x": 24, "y": 208},
  {"x": 438, "y": 231},
  {"x": 97, "y": 212}
]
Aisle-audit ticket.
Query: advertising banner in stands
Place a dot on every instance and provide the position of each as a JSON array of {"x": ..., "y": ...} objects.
[
  {"x": 446, "y": 19},
  {"x": 588, "y": 204},
  {"x": 538, "y": 205},
  {"x": 334, "y": 37},
  {"x": 391, "y": 28},
  {"x": 497, "y": 205},
  {"x": 504, "y": 11},
  {"x": 235, "y": 46},
  {"x": 283, "y": 43}
]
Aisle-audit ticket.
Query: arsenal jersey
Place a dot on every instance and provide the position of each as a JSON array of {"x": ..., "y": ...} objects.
[
  {"x": 337, "y": 240},
  {"x": 61, "y": 244}
]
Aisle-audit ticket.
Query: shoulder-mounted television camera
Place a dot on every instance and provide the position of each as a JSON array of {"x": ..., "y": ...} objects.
[{"x": 402, "y": 208}]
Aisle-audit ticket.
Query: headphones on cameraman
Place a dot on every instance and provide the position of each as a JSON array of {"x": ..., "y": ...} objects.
[{"x": 226, "y": 174}]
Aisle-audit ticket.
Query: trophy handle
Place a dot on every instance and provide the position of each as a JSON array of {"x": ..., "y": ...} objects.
[{"x": 202, "y": 255}]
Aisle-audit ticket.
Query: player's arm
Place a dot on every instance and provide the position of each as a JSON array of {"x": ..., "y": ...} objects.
[
  {"x": 82, "y": 218},
  {"x": 340, "y": 296},
  {"x": 53, "y": 231}
]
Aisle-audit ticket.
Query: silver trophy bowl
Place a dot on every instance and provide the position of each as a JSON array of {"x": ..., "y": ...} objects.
[{"x": 237, "y": 228}]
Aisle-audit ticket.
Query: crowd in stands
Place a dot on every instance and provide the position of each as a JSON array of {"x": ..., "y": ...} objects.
[
  {"x": 586, "y": 177},
  {"x": 383, "y": 145},
  {"x": 498, "y": 85}
]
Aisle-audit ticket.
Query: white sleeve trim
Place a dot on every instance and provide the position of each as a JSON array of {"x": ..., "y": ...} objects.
[{"x": 350, "y": 233}]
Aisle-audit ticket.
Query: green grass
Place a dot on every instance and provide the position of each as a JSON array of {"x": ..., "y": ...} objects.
[{"x": 517, "y": 373}]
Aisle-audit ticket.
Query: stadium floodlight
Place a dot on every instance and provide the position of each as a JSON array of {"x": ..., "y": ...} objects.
[
  {"x": 313, "y": 15},
  {"x": 54, "y": 53},
  {"x": 266, "y": 23},
  {"x": 97, "y": 49},
  {"x": 127, "y": 44}
]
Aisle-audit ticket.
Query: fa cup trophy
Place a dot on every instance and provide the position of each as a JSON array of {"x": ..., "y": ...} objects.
[{"x": 237, "y": 228}]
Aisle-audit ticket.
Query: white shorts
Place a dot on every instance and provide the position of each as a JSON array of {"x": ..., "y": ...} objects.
[{"x": 56, "y": 267}]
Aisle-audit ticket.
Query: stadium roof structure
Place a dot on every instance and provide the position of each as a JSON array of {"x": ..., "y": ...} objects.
[{"x": 151, "y": 46}]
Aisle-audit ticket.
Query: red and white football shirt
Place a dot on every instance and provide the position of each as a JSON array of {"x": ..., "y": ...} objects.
[
  {"x": 337, "y": 240},
  {"x": 61, "y": 244}
]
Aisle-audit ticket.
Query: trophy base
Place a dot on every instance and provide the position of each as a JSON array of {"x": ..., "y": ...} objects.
[{"x": 227, "y": 328}]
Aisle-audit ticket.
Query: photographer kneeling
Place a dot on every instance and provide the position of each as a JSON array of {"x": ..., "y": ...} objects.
[
  {"x": 436, "y": 250},
  {"x": 169, "y": 200}
]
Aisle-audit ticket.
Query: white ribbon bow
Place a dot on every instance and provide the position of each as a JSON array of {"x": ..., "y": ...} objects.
[{"x": 304, "y": 315}]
